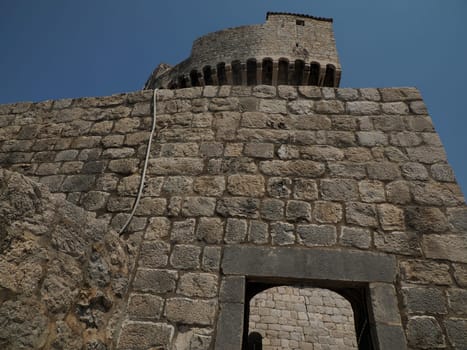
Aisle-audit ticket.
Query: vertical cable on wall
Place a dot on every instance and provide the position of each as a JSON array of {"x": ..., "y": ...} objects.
[{"x": 145, "y": 166}]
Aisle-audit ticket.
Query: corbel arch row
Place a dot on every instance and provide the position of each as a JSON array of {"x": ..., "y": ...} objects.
[{"x": 266, "y": 71}]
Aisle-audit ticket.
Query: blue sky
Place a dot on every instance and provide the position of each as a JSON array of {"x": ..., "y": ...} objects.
[{"x": 61, "y": 48}]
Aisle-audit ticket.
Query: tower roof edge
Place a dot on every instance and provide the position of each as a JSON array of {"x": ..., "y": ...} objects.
[{"x": 271, "y": 13}]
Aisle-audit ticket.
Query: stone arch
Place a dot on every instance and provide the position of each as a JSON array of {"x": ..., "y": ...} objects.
[
  {"x": 207, "y": 74},
  {"x": 221, "y": 74},
  {"x": 251, "y": 68},
  {"x": 236, "y": 72},
  {"x": 283, "y": 72},
  {"x": 266, "y": 77},
  {"x": 299, "y": 70},
  {"x": 314, "y": 74},
  {"x": 297, "y": 317},
  {"x": 329, "y": 76}
]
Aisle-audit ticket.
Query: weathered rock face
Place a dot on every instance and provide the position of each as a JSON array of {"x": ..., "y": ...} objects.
[
  {"x": 316, "y": 186},
  {"x": 64, "y": 273}
]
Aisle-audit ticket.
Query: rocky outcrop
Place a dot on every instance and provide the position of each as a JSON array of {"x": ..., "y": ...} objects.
[{"x": 64, "y": 274}]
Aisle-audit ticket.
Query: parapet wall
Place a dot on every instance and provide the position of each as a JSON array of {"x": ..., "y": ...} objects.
[{"x": 279, "y": 184}]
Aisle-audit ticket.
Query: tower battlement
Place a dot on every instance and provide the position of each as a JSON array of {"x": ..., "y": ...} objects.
[{"x": 288, "y": 49}]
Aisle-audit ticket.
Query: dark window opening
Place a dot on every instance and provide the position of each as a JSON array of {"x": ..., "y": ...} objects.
[
  {"x": 329, "y": 76},
  {"x": 357, "y": 297},
  {"x": 267, "y": 72},
  {"x": 298, "y": 72},
  {"x": 314, "y": 74},
  {"x": 236, "y": 73},
  {"x": 251, "y": 72},
  {"x": 194, "y": 78},
  {"x": 283, "y": 75},
  {"x": 300, "y": 22},
  {"x": 221, "y": 75},
  {"x": 207, "y": 74},
  {"x": 182, "y": 81}
]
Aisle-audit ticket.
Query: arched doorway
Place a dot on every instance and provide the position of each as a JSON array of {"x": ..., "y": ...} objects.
[{"x": 294, "y": 317}]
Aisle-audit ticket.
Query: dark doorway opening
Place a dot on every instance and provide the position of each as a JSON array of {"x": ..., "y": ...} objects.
[
  {"x": 314, "y": 74},
  {"x": 207, "y": 74},
  {"x": 267, "y": 72},
  {"x": 236, "y": 73},
  {"x": 221, "y": 74},
  {"x": 251, "y": 71},
  {"x": 330, "y": 75}
]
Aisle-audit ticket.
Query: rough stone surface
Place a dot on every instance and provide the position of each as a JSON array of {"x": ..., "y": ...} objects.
[
  {"x": 347, "y": 186},
  {"x": 425, "y": 332},
  {"x": 189, "y": 311},
  {"x": 44, "y": 241}
]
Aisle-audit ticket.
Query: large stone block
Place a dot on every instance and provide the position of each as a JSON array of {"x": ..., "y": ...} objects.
[
  {"x": 146, "y": 335},
  {"x": 457, "y": 332},
  {"x": 210, "y": 230},
  {"x": 258, "y": 232},
  {"x": 298, "y": 211},
  {"x": 355, "y": 237},
  {"x": 198, "y": 206},
  {"x": 78, "y": 183},
  {"x": 238, "y": 207},
  {"x": 317, "y": 235},
  {"x": 397, "y": 242},
  {"x": 183, "y": 231},
  {"x": 211, "y": 258},
  {"x": 203, "y": 285},
  {"x": 154, "y": 254},
  {"x": 390, "y": 217},
  {"x": 235, "y": 231},
  {"x": 259, "y": 150},
  {"x": 327, "y": 212},
  {"x": 449, "y": 247},
  {"x": 457, "y": 301},
  {"x": 425, "y": 332},
  {"x": 246, "y": 185},
  {"x": 306, "y": 168},
  {"x": 155, "y": 281},
  {"x": 175, "y": 166},
  {"x": 145, "y": 307},
  {"x": 185, "y": 256},
  {"x": 424, "y": 300},
  {"x": 209, "y": 185},
  {"x": 362, "y": 214},
  {"x": 426, "y": 219},
  {"x": 282, "y": 233},
  {"x": 191, "y": 311},
  {"x": 339, "y": 189},
  {"x": 425, "y": 272}
]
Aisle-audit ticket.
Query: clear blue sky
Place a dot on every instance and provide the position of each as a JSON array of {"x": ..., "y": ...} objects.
[{"x": 61, "y": 48}]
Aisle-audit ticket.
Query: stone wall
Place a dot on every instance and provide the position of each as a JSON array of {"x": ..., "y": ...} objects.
[
  {"x": 298, "y": 318},
  {"x": 344, "y": 171}
]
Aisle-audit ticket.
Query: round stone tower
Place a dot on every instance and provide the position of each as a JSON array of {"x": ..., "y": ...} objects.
[{"x": 289, "y": 49}]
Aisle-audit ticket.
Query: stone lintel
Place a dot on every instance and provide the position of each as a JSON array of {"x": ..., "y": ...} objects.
[{"x": 303, "y": 263}]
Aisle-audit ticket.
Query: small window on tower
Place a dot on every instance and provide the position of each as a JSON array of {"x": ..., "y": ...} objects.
[{"x": 300, "y": 22}]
